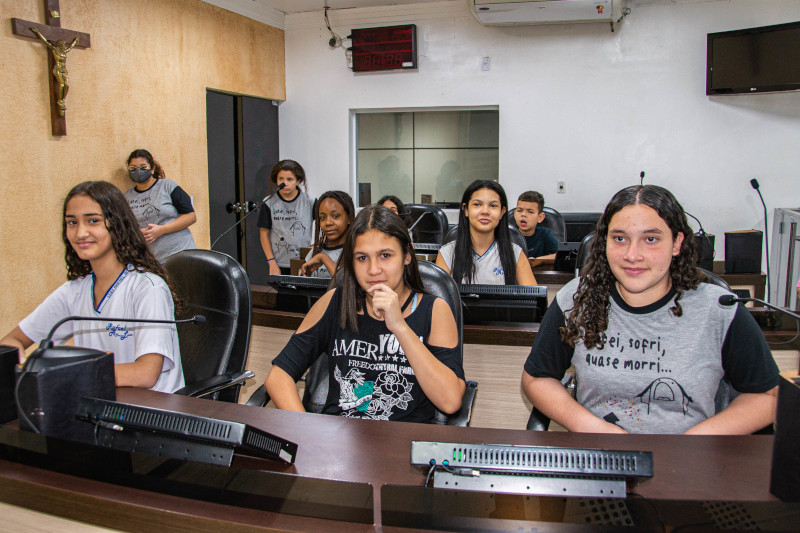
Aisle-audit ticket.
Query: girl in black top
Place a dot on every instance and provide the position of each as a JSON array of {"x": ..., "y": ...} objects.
[{"x": 392, "y": 350}]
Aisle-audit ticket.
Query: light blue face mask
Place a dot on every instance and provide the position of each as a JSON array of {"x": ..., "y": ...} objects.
[{"x": 140, "y": 175}]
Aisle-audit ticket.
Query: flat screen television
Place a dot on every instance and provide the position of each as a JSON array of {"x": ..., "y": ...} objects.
[{"x": 754, "y": 60}]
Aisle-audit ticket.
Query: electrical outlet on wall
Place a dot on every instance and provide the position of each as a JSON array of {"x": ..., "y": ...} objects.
[{"x": 561, "y": 186}]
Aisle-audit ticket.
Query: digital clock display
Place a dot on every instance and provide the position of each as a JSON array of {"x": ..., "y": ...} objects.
[{"x": 388, "y": 48}]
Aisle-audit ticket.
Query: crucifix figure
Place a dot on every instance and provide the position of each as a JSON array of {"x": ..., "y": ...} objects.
[
  {"x": 59, "y": 50},
  {"x": 59, "y": 41}
]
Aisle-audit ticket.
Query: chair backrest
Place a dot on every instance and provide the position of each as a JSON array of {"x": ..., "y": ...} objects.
[
  {"x": 436, "y": 282},
  {"x": 215, "y": 285},
  {"x": 583, "y": 253},
  {"x": 432, "y": 227},
  {"x": 553, "y": 220},
  {"x": 516, "y": 236},
  {"x": 714, "y": 279}
]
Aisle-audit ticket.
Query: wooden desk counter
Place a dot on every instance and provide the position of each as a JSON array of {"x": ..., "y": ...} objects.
[
  {"x": 687, "y": 468},
  {"x": 332, "y": 448}
]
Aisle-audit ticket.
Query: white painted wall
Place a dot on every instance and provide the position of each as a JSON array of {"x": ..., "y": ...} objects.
[{"x": 577, "y": 103}]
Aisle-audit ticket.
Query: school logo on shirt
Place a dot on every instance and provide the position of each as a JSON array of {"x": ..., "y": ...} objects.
[{"x": 119, "y": 331}]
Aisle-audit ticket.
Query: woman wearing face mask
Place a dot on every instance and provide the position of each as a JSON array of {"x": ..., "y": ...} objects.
[{"x": 164, "y": 210}]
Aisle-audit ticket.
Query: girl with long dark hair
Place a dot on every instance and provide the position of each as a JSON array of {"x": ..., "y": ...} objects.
[
  {"x": 391, "y": 348},
  {"x": 162, "y": 208},
  {"x": 333, "y": 213},
  {"x": 394, "y": 204},
  {"x": 111, "y": 273},
  {"x": 650, "y": 344},
  {"x": 483, "y": 251}
]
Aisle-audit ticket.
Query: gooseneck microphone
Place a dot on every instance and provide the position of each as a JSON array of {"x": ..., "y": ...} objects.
[
  {"x": 48, "y": 342},
  {"x": 256, "y": 208},
  {"x": 641, "y": 177},
  {"x": 730, "y": 299},
  {"x": 83, "y": 372},
  {"x": 702, "y": 232},
  {"x": 754, "y": 184}
]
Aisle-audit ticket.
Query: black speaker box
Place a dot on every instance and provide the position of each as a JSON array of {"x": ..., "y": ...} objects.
[
  {"x": 9, "y": 357},
  {"x": 705, "y": 250},
  {"x": 51, "y": 384},
  {"x": 743, "y": 251},
  {"x": 785, "y": 478}
]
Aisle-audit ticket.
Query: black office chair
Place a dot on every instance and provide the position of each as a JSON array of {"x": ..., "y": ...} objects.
[
  {"x": 583, "y": 253},
  {"x": 213, "y": 354},
  {"x": 553, "y": 220},
  {"x": 429, "y": 223},
  {"x": 516, "y": 236},
  {"x": 436, "y": 282}
]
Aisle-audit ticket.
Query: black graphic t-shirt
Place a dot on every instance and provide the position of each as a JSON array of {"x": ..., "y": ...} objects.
[{"x": 370, "y": 377}]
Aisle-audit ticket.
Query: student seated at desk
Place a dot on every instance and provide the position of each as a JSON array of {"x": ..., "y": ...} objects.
[
  {"x": 333, "y": 214},
  {"x": 541, "y": 243},
  {"x": 391, "y": 348},
  {"x": 111, "y": 273},
  {"x": 483, "y": 252},
  {"x": 394, "y": 204},
  {"x": 650, "y": 344}
]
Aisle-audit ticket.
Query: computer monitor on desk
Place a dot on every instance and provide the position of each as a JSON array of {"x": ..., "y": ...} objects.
[
  {"x": 487, "y": 304},
  {"x": 298, "y": 293}
]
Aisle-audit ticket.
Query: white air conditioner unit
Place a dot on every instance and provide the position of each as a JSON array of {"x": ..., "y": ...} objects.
[{"x": 505, "y": 12}]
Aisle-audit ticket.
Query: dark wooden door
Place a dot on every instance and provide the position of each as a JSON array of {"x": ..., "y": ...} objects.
[{"x": 242, "y": 149}]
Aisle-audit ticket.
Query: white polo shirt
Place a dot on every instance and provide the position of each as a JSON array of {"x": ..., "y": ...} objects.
[{"x": 133, "y": 295}]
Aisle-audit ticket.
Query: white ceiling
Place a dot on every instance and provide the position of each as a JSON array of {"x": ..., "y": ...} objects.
[{"x": 302, "y": 6}]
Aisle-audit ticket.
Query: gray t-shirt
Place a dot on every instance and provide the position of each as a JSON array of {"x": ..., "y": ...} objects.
[
  {"x": 488, "y": 268},
  {"x": 333, "y": 253},
  {"x": 157, "y": 205},
  {"x": 658, "y": 373},
  {"x": 289, "y": 224}
]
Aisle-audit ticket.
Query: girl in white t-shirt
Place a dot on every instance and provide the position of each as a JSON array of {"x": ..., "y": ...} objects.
[
  {"x": 483, "y": 251},
  {"x": 112, "y": 274}
]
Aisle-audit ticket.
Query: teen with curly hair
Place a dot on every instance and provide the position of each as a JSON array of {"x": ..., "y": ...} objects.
[
  {"x": 111, "y": 273},
  {"x": 391, "y": 348},
  {"x": 650, "y": 343}
]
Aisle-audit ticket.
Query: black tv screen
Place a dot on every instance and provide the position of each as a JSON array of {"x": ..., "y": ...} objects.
[{"x": 754, "y": 60}]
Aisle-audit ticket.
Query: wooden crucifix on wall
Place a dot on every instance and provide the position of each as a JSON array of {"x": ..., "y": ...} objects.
[{"x": 59, "y": 42}]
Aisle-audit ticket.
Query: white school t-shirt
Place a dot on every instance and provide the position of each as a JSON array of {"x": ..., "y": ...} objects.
[
  {"x": 133, "y": 295},
  {"x": 488, "y": 268}
]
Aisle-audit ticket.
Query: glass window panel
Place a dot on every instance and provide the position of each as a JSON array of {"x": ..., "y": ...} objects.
[
  {"x": 456, "y": 129},
  {"x": 436, "y": 153},
  {"x": 445, "y": 173},
  {"x": 385, "y": 130},
  {"x": 388, "y": 172}
]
